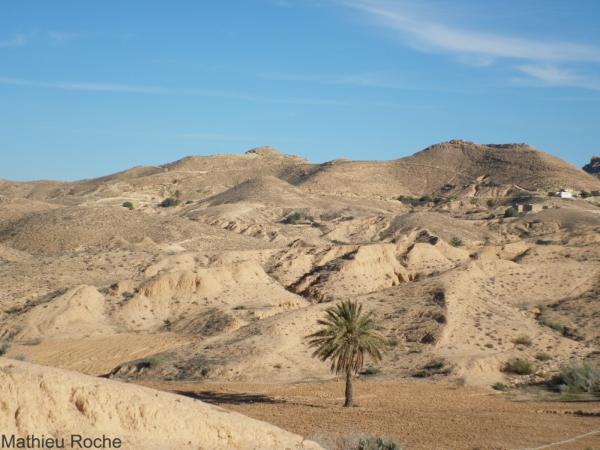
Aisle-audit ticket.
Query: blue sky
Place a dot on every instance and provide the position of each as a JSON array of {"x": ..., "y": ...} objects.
[{"x": 90, "y": 88}]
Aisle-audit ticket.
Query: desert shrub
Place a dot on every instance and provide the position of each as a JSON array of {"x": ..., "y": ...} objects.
[
  {"x": 169, "y": 202},
  {"x": 522, "y": 340},
  {"x": 499, "y": 387},
  {"x": 456, "y": 242},
  {"x": 434, "y": 364},
  {"x": 370, "y": 371},
  {"x": 377, "y": 444},
  {"x": 554, "y": 325},
  {"x": 150, "y": 362},
  {"x": 128, "y": 205},
  {"x": 393, "y": 341},
  {"x": 511, "y": 212},
  {"x": 4, "y": 347},
  {"x": 433, "y": 367},
  {"x": 297, "y": 217},
  {"x": 338, "y": 242},
  {"x": 518, "y": 366},
  {"x": 543, "y": 356},
  {"x": 579, "y": 378}
]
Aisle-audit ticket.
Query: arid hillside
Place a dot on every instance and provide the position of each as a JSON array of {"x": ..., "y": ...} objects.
[{"x": 216, "y": 268}]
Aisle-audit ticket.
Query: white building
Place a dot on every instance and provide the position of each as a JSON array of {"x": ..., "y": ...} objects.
[{"x": 565, "y": 194}]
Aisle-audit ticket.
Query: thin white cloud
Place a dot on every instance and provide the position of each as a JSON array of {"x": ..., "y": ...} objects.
[
  {"x": 431, "y": 35},
  {"x": 60, "y": 37},
  {"x": 192, "y": 136},
  {"x": 550, "y": 75},
  {"x": 356, "y": 79},
  {"x": 143, "y": 89},
  {"x": 18, "y": 40}
]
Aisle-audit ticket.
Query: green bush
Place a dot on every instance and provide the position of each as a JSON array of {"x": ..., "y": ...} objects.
[
  {"x": 456, "y": 242},
  {"x": 370, "y": 371},
  {"x": 377, "y": 444},
  {"x": 152, "y": 361},
  {"x": 169, "y": 202},
  {"x": 433, "y": 367},
  {"x": 554, "y": 325},
  {"x": 518, "y": 366},
  {"x": 128, "y": 205},
  {"x": 579, "y": 378},
  {"x": 393, "y": 341},
  {"x": 511, "y": 212},
  {"x": 4, "y": 347},
  {"x": 297, "y": 217},
  {"x": 522, "y": 340},
  {"x": 543, "y": 356}
]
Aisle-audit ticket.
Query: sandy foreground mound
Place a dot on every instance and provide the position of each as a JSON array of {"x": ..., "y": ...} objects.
[{"x": 58, "y": 404}]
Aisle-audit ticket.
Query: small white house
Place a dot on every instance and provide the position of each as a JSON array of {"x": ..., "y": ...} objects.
[{"x": 565, "y": 194}]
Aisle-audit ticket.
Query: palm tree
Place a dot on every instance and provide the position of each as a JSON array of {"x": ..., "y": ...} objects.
[{"x": 346, "y": 336}]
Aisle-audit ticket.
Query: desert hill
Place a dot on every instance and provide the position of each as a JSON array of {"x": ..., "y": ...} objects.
[
  {"x": 454, "y": 168},
  {"x": 215, "y": 268},
  {"x": 55, "y": 403}
]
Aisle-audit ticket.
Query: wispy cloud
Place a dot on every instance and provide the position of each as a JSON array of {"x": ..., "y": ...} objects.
[
  {"x": 17, "y": 40},
  {"x": 551, "y": 75},
  {"x": 60, "y": 37},
  {"x": 160, "y": 90},
  {"x": 356, "y": 79},
  {"x": 433, "y": 35},
  {"x": 539, "y": 59},
  {"x": 191, "y": 136}
]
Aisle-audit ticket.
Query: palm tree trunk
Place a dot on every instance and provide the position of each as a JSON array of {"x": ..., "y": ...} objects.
[{"x": 349, "y": 400}]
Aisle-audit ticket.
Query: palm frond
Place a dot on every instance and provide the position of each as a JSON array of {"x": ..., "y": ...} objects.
[{"x": 346, "y": 337}]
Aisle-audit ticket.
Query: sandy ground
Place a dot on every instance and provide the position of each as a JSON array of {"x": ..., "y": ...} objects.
[
  {"x": 96, "y": 355},
  {"x": 419, "y": 415}
]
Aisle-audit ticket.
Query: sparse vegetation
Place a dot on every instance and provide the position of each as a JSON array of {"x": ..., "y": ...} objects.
[
  {"x": 150, "y": 362},
  {"x": 169, "y": 202},
  {"x": 297, "y": 218},
  {"x": 456, "y": 242},
  {"x": 523, "y": 340},
  {"x": 4, "y": 347},
  {"x": 499, "y": 387},
  {"x": 543, "y": 356},
  {"x": 346, "y": 336},
  {"x": 518, "y": 366},
  {"x": 579, "y": 378},
  {"x": 554, "y": 325},
  {"x": 370, "y": 371},
  {"x": 511, "y": 212},
  {"x": 433, "y": 367},
  {"x": 393, "y": 341},
  {"x": 128, "y": 205},
  {"x": 377, "y": 444},
  {"x": 338, "y": 242},
  {"x": 423, "y": 200}
]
